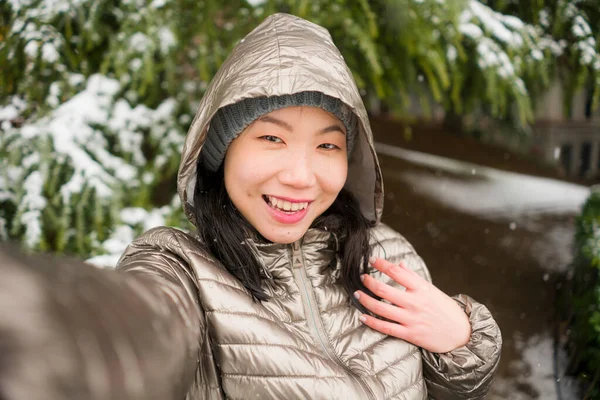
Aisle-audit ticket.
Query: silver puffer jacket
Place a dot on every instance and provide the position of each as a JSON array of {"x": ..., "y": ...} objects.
[{"x": 306, "y": 342}]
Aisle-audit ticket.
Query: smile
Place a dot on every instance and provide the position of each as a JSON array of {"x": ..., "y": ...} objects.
[{"x": 286, "y": 206}]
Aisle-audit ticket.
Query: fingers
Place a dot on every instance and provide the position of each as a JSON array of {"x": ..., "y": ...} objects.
[
  {"x": 399, "y": 273},
  {"x": 382, "y": 309},
  {"x": 385, "y": 291},
  {"x": 387, "y": 328}
]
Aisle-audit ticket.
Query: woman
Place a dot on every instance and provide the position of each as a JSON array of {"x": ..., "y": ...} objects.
[{"x": 278, "y": 295}]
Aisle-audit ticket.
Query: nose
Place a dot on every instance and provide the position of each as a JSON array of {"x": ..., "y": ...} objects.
[{"x": 298, "y": 170}]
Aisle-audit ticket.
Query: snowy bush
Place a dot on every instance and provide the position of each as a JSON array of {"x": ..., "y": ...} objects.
[
  {"x": 585, "y": 298},
  {"x": 96, "y": 95},
  {"x": 95, "y": 100},
  {"x": 567, "y": 32},
  {"x": 69, "y": 175}
]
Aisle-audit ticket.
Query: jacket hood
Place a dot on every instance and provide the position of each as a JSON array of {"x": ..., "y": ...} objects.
[{"x": 286, "y": 55}]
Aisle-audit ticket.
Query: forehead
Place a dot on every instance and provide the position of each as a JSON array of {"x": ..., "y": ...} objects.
[{"x": 296, "y": 113}]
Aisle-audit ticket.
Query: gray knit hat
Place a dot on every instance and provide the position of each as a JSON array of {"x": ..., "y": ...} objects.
[{"x": 231, "y": 120}]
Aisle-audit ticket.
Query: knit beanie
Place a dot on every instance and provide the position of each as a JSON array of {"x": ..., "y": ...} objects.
[{"x": 231, "y": 120}]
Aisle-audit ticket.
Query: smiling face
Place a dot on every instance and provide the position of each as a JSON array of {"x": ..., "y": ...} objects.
[{"x": 286, "y": 169}]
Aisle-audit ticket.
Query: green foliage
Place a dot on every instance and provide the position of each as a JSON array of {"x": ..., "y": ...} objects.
[
  {"x": 395, "y": 48},
  {"x": 96, "y": 95},
  {"x": 571, "y": 31},
  {"x": 416, "y": 38},
  {"x": 585, "y": 297},
  {"x": 67, "y": 178},
  {"x": 157, "y": 49},
  {"x": 153, "y": 48}
]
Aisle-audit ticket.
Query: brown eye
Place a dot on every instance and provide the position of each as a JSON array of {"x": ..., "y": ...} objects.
[
  {"x": 329, "y": 146},
  {"x": 271, "y": 138}
]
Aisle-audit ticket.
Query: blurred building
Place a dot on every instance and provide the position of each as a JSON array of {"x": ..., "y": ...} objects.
[
  {"x": 569, "y": 140},
  {"x": 572, "y": 141}
]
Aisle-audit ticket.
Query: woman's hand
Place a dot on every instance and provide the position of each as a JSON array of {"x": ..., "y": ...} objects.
[{"x": 422, "y": 315}]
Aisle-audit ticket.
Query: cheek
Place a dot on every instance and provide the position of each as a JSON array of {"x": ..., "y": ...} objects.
[
  {"x": 242, "y": 173},
  {"x": 234, "y": 176},
  {"x": 333, "y": 176}
]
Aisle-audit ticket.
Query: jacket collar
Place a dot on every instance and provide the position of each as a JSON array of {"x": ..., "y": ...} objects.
[{"x": 319, "y": 248}]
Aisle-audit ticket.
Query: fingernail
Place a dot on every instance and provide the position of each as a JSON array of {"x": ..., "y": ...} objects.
[
  {"x": 362, "y": 318},
  {"x": 372, "y": 260},
  {"x": 362, "y": 278},
  {"x": 357, "y": 295}
]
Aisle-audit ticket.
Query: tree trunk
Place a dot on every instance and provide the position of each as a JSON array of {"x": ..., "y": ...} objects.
[{"x": 453, "y": 123}]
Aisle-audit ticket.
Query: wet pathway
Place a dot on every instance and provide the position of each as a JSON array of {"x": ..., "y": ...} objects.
[{"x": 502, "y": 238}]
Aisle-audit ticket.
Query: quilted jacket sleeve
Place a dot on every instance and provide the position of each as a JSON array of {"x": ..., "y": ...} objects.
[
  {"x": 73, "y": 331},
  {"x": 170, "y": 354},
  {"x": 465, "y": 373}
]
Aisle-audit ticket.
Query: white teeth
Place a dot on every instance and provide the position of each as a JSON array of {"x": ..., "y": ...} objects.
[{"x": 286, "y": 205}]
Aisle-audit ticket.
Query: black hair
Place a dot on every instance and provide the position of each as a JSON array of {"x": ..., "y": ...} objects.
[{"x": 223, "y": 229}]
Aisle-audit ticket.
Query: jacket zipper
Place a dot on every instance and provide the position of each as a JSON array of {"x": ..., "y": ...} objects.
[{"x": 314, "y": 321}]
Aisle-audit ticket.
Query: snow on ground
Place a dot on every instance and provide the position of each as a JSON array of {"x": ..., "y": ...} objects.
[
  {"x": 554, "y": 250},
  {"x": 487, "y": 192},
  {"x": 534, "y": 375},
  {"x": 515, "y": 199}
]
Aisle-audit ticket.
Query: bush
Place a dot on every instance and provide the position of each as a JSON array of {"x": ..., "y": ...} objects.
[
  {"x": 585, "y": 297},
  {"x": 95, "y": 99},
  {"x": 96, "y": 95}
]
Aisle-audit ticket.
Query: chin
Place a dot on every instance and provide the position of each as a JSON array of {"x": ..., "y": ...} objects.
[{"x": 283, "y": 235}]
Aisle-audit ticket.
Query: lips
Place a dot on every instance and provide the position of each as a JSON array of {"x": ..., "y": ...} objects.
[
  {"x": 285, "y": 205},
  {"x": 296, "y": 210}
]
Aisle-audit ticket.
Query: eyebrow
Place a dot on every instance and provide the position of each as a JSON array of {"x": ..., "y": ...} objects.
[
  {"x": 332, "y": 128},
  {"x": 289, "y": 128}
]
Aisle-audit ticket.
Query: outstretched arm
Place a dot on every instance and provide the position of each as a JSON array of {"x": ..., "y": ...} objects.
[{"x": 72, "y": 331}]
